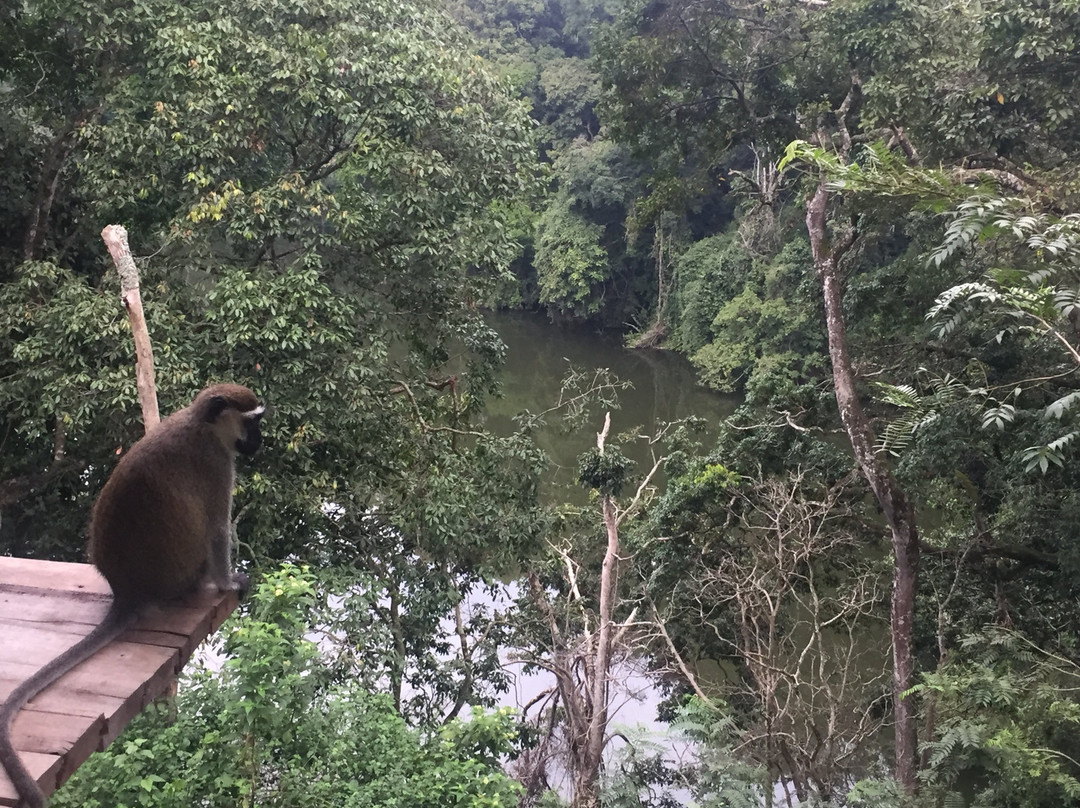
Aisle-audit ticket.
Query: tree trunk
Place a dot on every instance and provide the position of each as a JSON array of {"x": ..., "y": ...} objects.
[
  {"x": 898, "y": 511},
  {"x": 586, "y": 789},
  {"x": 587, "y": 776},
  {"x": 38, "y": 227}
]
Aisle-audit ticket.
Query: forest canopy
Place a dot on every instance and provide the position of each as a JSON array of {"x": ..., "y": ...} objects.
[{"x": 858, "y": 216}]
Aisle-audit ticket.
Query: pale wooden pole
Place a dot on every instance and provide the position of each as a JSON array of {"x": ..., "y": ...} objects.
[{"x": 115, "y": 237}]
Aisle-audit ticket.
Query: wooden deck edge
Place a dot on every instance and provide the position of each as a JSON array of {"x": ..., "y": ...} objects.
[{"x": 87, "y": 709}]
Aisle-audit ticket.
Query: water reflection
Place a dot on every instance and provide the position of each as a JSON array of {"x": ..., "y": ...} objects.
[{"x": 539, "y": 354}]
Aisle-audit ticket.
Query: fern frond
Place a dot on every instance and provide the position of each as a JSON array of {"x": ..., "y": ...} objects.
[
  {"x": 1062, "y": 443},
  {"x": 1066, "y": 301},
  {"x": 922, "y": 410},
  {"x": 999, "y": 416},
  {"x": 1058, "y": 409},
  {"x": 956, "y": 305},
  {"x": 899, "y": 395}
]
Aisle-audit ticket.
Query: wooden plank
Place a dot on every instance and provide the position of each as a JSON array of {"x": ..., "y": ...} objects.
[
  {"x": 45, "y": 607},
  {"x": 30, "y": 573},
  {"x": 35, "y": 628},
  {"x": 114, "y": 671},
  {"x": 26, "y": 644},
  {"x": 44, "y": 768},
  {"x": 48, "y": 606},
  {"x": 55, "y": 734}
]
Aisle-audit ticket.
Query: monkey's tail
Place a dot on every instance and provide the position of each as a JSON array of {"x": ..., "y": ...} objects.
[{"x": 115, "y": 622}]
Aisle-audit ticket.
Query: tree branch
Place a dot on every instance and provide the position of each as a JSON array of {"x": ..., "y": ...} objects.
[{"x": 115, "y": 237}]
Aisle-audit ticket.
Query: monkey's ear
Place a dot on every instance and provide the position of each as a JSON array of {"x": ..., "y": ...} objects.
[{"x": 217, "y": 405}]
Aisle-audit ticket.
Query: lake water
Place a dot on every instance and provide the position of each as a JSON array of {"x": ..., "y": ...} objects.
[{"x": 539, "y": 353}]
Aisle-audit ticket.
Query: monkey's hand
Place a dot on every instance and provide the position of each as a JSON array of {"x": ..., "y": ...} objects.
[{"x": 240, "y": 584}]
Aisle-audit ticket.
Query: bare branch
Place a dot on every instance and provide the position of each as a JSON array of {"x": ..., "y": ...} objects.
[
  {"x": 115, "y": 237},
  {"x": 641, "y": 489}
]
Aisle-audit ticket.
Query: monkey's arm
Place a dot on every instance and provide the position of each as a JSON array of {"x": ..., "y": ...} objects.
[{"x": 221, "y": 570}]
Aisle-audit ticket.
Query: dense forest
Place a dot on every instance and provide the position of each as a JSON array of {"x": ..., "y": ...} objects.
[{"x": 858, "y": 216}]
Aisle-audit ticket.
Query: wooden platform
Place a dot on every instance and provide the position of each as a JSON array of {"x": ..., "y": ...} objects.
[{"x": 47, "y": 606}]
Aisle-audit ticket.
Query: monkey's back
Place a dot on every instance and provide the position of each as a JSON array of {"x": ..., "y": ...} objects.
[{"x": 149, "y": 529}]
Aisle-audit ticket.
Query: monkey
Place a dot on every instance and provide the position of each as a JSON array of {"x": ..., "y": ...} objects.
[{"x": 160, "y": 528}]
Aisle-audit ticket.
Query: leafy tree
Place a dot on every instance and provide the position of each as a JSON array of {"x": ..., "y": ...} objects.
[
  {"x": 682, "y": 110},
  {"x": 1034, "y": 300},
  {"x": 1006, "y": 724},
  {"x": 708, "y": 273},
  {"x": 765, "y": 340},
  {"x": 969, "y": 437},
  {"x": 299, "y": 174},
  {"x": 323, "y": 193},
  {"x": 588, "y": 265},
  {"x": 979, "y": 86},
  {"x": 428, "y": 635},
  {"x": 571, "y": 262},
  {"x": 687, "y": 84},
  {"x": 571, "y": 90},
  {"x": 545, "y": 49}
]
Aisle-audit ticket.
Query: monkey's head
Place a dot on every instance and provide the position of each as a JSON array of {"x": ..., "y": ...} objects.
[{"x": 235, "y": 414}]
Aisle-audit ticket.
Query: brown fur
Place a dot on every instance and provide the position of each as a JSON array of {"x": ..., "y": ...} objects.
[
  {"x": 153, "y": 528},
  {"x": 160, "y": 527}
]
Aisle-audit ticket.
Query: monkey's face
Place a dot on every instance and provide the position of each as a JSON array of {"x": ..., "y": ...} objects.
[
  {"x": 251, "y": 439},
  {"x": 234, "y": 413}
]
